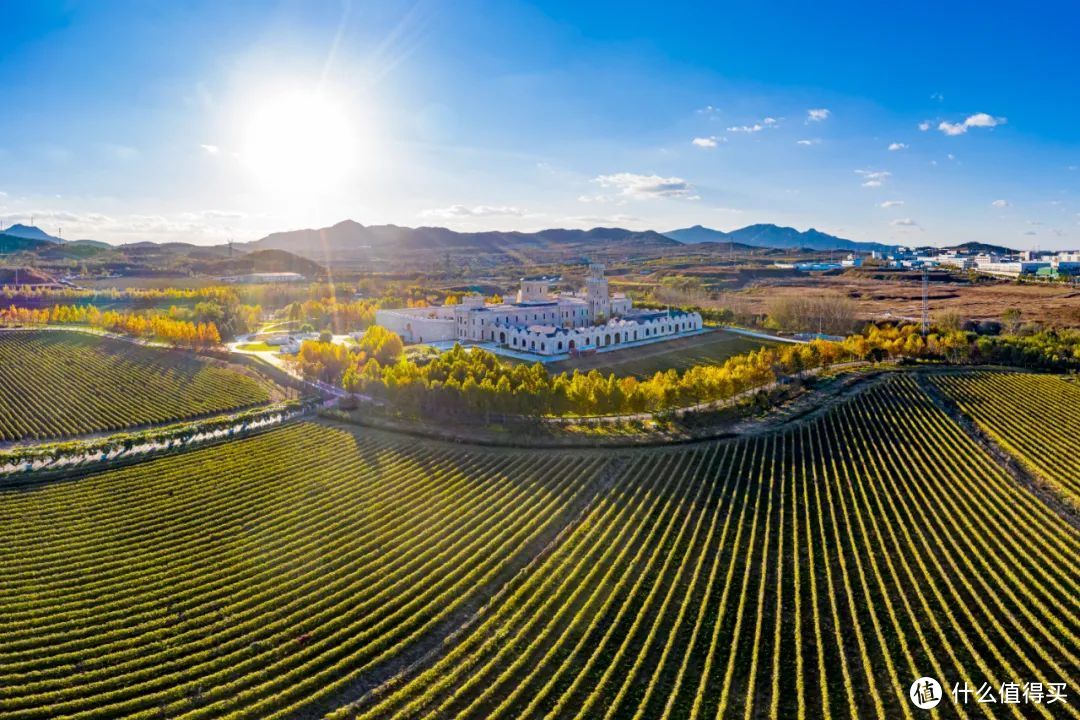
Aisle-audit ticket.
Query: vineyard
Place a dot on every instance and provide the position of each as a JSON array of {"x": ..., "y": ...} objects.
[
  {"x": 810, "y": 573},
  {"x": 63, "y": 384},
  {"x": 1035, "y": 417}
]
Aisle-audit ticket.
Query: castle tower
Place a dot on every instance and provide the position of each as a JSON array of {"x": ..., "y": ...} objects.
[
  {"x": 535, "y": 287},
  {"x": 596, "y": 294}
]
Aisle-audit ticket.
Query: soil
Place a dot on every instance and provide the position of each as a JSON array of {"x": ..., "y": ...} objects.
[{"x": 881, "y": 296}]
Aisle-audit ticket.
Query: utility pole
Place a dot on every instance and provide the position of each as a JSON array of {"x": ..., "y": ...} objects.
[{"x": 925, "y": 301}]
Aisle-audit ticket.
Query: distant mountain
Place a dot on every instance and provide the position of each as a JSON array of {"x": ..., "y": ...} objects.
[
  {"x": 30, "y": 232},
  {"x": 262, "y": 261},
  {"x": 350, "y": 239},
  {"x": 773, "y": 236},
  {"x": 978, "y": 247}
]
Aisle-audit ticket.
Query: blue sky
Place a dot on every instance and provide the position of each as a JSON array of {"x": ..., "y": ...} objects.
[{"x": 910, "y": 123}]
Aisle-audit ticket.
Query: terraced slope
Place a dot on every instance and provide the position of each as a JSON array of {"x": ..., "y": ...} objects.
[
  {"x": 258, "y": 576},
  {"x": 1035, "y": 417},
  {"x": 56, "y": 384}
]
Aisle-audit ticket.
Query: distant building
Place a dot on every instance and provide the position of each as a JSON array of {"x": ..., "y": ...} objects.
[
  {"x": 1066, "y": 263},
  {"x": 1010, "y": 268},
  {"x": 265, "y": 277},
  {"x": 817, "y": 266},
  {"x": 541, "y": 322}
]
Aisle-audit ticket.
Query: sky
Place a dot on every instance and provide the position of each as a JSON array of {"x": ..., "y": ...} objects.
[{"x": 198, "y": 121}]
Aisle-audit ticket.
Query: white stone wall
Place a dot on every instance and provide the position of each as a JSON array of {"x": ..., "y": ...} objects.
[
  {"x": 556, "y": 341},
  {"x": 419, "y": 325}
]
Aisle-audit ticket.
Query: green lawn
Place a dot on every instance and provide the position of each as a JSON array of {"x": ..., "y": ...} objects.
[
  {"x": 645, "y": 360},
  {"x": 257, "y": 347}
]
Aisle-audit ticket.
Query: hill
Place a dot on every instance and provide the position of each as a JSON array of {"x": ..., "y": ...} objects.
[
  {"x": 773, "y": 236},
  {"x": 978, "y": 247},
  {"x": 24, "y": 276},
  {"x": 349, "y": 240},
  {"x": 262, "y": 261},
  {"x": 15, "y": 243},
  {"x": 30, "y": 232}
]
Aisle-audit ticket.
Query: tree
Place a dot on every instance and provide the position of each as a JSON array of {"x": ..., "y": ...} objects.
[{"x": 1011, "y": 318}]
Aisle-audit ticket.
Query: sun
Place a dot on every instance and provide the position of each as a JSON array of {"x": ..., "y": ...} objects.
[{"x": 299, "y": 142}]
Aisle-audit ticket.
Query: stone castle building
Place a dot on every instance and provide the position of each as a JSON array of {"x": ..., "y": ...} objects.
[{"x": 542, "y": 322}]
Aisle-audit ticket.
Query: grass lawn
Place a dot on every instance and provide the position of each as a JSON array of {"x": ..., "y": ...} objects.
[
  {"x": 681, "y": 353},
  {"x": 257, "y": 347}
]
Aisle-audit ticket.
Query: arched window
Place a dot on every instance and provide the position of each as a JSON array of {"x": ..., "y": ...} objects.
[{"x": 502, "y": 338}]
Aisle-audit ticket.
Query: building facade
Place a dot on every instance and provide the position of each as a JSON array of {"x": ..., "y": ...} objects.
[{"x": 541, "y": 322}]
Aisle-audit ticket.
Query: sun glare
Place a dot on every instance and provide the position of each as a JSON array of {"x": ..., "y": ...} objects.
[{"x": 299, "y": 142}]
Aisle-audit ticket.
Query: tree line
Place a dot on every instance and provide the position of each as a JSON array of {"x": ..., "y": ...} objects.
[
  {"x": 152, "y": 326},
  {"x": 474, "y": 381}
]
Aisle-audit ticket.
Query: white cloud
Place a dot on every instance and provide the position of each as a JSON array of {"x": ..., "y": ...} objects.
[
  {"x": 897, "y": 146},
  {"x": 924, "y": 125},
  {"x": 193, "y": 226},
  {"x": 708, "y": 142},
  {"x": 817, "y": 114},
  {"x": 211, "y": 149},
  {"x": 1000, "y": 203},
  {"x": 647, "y": 186},
  {"x": 904, "y": 223},
  {"x": 937, "y": 96},
  {"x": 768, "y": 122},
  {"x": 891, "y": 203},
  {"x": 978, "y": 120},
  {"x": 811, "y": 141},
  {"x": 874, "y": 178},
  {"x": 707, "y": 110},
  {"x": 463, "y": 211},
  {"x": 220, "y": 214}
]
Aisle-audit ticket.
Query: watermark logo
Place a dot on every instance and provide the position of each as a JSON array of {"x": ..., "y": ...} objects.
[{"x": 925, "y": 693}]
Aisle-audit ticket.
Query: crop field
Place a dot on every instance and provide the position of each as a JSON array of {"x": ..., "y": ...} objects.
[
  {"x": 646, "y": 360},
  {"x": 310, "y": 571},
  {"x": 259, "y": 576},
  {"x": 810, "y": 574},
  {"x": 57, "y": 384},
  {"x": 1035, "y": 417}
]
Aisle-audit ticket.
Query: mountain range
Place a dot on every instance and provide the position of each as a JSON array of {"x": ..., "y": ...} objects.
[
  {"x": 350, "y": 238},
  {"x": 773, "y": 236}
]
